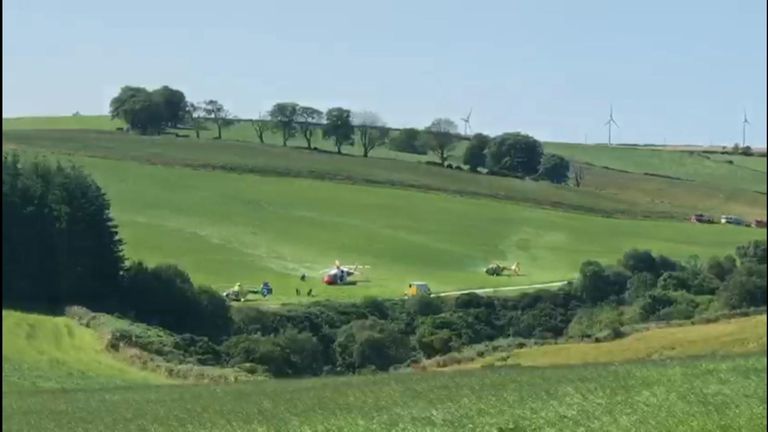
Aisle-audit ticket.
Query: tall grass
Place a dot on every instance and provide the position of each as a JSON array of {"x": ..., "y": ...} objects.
[{"x": 697, "y": 395}]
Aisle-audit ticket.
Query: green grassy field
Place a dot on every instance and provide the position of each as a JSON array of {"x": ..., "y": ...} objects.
[
  {"x": 41, "y": 352},
  {"x": 250, "y": 212},
  {"x": 605, "y": 191},
  {"x": 748, "y": 173},
  {"x": 733, "y": 336},
  {"x": 241, "y": 131},
  {"x": 697, "y": 395},
  {"x": 224, "y": 228},
  {"x": 709, "y": 168}
]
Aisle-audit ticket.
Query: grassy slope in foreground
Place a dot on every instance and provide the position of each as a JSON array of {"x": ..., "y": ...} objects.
[
  {"x": 225, "y": 228},
  {"x": 45, "y": 352},
  {"x": 697, "y": 395},
  {"x": 738, "y": 335}
]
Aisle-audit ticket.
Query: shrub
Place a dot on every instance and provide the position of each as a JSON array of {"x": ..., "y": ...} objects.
[
  {"x": 674, "y": 281},
  {"x": 370, "y": 343},
  {"x": 745, "y": 288},
  {"x": 721, "y": 268},
  {"x": 554, "y": 168},
  {"x": 290, "y": 353},
  {"x": 596, "y": 283},
  {"x": 638, "y": 261},
  {"x": 440, "y": 334},
  {"x": 639, "y": 285},
  {"x": 590, "y": 322},
  {"x": 654, "y": 302},
  {"x": 165, "y": 296},
  {"x": 407, "y": 141},
  {"x": 705, "y": 284},
  {"x": 424, "y": 305},
  {"x": 753, "y": 252}
]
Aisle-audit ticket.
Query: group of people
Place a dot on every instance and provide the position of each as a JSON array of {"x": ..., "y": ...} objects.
[{"x": 237, "y": 293}]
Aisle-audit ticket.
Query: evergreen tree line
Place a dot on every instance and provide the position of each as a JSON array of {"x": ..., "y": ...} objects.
[{"x": 61, "y": 247}]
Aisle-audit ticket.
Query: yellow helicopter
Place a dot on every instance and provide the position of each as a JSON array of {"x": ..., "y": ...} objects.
[{"x": 497, "y": 269}]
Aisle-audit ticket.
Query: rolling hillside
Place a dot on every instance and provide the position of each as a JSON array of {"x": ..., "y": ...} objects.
[
  {"x": 224, "y": 228},
  {"x": 710, "y": 168},
  {"x": 732, "y": 336},
  {"x": 239, "y": 211},
  {"x": 696, "y": 395},
  {"x": 605, "y": 191},
  {"x": 41, "y": 352}
]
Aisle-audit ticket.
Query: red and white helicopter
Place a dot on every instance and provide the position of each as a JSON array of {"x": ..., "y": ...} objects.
[{"x": 339, "y": 274}]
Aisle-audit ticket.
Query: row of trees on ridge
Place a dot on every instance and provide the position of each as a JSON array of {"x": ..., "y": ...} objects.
[{"x": 511, "y": 154}]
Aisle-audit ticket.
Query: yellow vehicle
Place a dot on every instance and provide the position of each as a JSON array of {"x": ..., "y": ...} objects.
[{"x": 417, "y": 288}]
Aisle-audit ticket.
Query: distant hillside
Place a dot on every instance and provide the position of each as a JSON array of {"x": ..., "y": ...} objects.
[{"x": 742, "y": 172}]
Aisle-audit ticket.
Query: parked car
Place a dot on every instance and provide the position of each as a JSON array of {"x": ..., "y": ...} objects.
[
  {"x": 732, "y": 220},
  {"x": 701, "y": 218},
  {"x": 759, "y": 223}
]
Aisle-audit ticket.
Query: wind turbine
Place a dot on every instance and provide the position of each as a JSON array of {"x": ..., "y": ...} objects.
[
  {"x": 744, "y": 124},
  {"x": 609, "y": 123},
  {"x": 466, "y": 122}
]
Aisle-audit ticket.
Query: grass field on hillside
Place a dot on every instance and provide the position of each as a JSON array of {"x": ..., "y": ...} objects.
[
  {"x": 738, "y": 335},
  {"x": 697, "y": 395},
  {"x": 687, "y": 165},
  {"x": 41, "y": 352},
  {"x": 709, "y": 168},
  {"x": 754, "y": 163},
  {"x": 224, "y": 228},
  {"x": 605, "y": 192},
  {"x": 241, "y": 131}
]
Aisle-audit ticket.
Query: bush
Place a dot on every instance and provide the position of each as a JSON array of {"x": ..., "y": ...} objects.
[
  {"x": 721, "y": 268},
  {"x": 705, "y": 284},
  {"x": 639, "y": 261},
  {"x": 745, "y": 288},
  {"x": 290, "y": 353},
  {"x": 590, "y": 322},
  {"x": 596, "y": 283},
  {"x": 554, "y": 168},
  {"x": 407, "y": 141},
  {"x": 165, "y": 296},
  {"x": 639, "y": 285},
  {"x": 666, "y": 264},
  {"x": 370, "y": 343},
  {"x": 545, "y": 320},
  {"x": 472, "y": 301},
  {"x": 753, "y": 252},
  {"x": 424, "y": 305},
  {"x": 654, "y": 302},
  {"x": 441, "y": 334},
  {"x": 683, "y": 308},
  {"x": 674, "y": 281}
]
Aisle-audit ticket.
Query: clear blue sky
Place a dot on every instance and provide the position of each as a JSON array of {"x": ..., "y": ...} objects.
[{"x": 680, "y": 70}]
